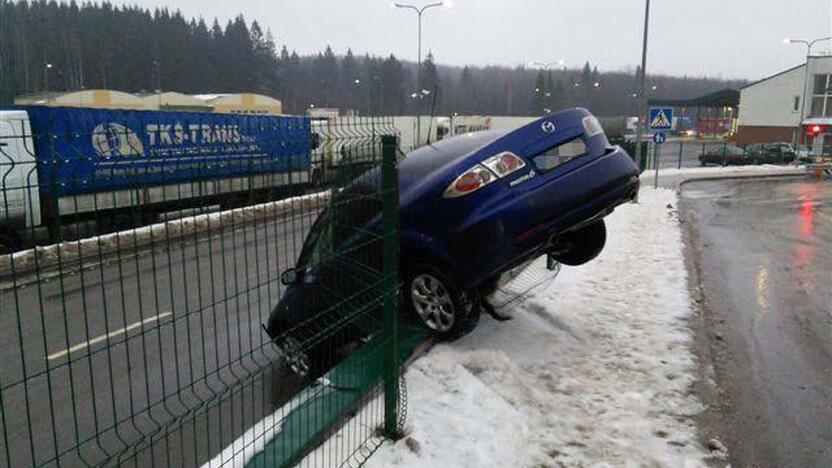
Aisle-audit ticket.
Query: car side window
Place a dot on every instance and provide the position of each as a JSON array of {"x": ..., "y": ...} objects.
[{"x": 555, "y": 156}]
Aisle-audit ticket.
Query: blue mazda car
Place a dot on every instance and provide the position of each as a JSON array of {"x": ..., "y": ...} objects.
[{"x": 471, "y": 207}]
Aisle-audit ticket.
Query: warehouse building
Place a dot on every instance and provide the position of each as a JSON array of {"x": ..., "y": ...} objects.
[
  {"x": 98, "y": 98},
  {"x": 773, "y": 109},
  {"x": 242, "y": 103},
  {"x": 173, "y": 101},
  {"x": 238, "y": 103}
]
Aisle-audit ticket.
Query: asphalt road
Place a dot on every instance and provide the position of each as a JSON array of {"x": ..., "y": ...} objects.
[
  {"x": 764, "y": 250},
  {"x": 106, "y": 355}
]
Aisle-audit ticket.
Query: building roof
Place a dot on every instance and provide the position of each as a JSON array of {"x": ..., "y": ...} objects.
[
  {"x": 723, "y": 98},
  {"x": 796, "y": 67}
]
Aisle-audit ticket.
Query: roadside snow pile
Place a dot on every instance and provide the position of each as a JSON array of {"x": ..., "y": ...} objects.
[
  {"x": 672, "y": 177},
  {"x": 48, "y": 256},
  {"x": 730, "y": 170},
  {"x": 594, "y": 370}
]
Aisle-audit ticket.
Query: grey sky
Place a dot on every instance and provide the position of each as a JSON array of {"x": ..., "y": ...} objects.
[{"x": 727, "y": 38}]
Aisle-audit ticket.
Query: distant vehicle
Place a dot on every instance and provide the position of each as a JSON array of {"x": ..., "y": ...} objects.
[
  {"x": 725, "y": 155},
  {"x": 91, "y": 170},
  {"x": 804, "y": 154},
  {"x": 471, "y": 208},
  {"x": 771, "y": 153}
]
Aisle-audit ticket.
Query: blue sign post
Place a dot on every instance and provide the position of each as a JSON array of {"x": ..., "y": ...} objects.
[
  {"x": 659, "y": 138},
  {"x": 661, "y": 118}
]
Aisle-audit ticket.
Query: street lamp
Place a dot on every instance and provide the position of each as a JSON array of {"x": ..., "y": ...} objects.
[
  {"x": 158, "y": 67},
  {"x": 48, "y": 66},
  {"x": 419, "y": 11},
  {"x": 548, "y": 65},
  {"x": 808, "y": 45}
]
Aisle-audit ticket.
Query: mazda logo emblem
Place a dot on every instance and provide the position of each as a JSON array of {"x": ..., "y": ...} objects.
[{"x": 548, "y": 126}]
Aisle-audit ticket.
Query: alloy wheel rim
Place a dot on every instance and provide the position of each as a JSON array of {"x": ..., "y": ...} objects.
[
  {"x": 432, "y": 302},
  {"x": 295, "y": 357}
]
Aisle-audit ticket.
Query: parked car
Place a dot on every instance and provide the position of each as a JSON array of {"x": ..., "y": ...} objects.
[
  {"x": 725, "y": 155},
  {"x": 771, "y": 153},
  {"x": 471, "y": 208}
]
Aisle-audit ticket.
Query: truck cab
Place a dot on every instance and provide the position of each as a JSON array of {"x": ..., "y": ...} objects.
[{"x": 19, "y": 195}]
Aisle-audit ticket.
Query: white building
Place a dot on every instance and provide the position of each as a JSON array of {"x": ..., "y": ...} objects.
[{"x": 772, "y": 109}]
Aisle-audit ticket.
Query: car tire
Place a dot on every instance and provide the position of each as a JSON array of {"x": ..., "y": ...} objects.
[
  {"x": 582, "y": 245},
  {"x": 307, "y": 363},
  {"x": 442, "y": 307}
]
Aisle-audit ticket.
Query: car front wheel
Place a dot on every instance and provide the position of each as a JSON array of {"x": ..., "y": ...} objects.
[{"x": 441, "y": 306}]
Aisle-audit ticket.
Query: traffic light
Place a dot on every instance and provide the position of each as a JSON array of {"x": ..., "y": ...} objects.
[{"x": 813, "y": 130}]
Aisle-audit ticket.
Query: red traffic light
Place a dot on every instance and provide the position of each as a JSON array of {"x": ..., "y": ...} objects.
[{"x": 814, "y": 130}]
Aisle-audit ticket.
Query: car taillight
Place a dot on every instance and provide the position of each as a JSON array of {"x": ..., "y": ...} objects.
[
  {"x": 470, "y": 180},
  {"x": 504, "y": 163},
  {"x": 493, "y": 168},
  {"x": 592, "y": 127}
]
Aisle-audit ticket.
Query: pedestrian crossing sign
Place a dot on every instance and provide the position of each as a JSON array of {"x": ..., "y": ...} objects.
[{"x": 661, "y": 118}]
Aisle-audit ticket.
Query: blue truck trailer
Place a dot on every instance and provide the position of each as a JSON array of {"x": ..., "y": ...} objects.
[{"x": 65, "y": 165}]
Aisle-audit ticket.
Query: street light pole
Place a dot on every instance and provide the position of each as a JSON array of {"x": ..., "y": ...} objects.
[
  {"x": 419, "y": 12},
  {"x": 642, "y": 88},
  {"x": 158, "y": 82},
  {"x": 47, "y": 66},
  {"x": 809, "y": 45}
]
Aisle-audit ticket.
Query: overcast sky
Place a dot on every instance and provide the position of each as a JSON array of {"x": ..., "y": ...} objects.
[{"x": 726, "y": 38}]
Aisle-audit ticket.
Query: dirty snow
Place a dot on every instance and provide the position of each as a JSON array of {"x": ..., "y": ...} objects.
[
  {"x": 594, "y": 370},
  {"x": 44, "y": 257},
  {"x": 672, "y": 177}
]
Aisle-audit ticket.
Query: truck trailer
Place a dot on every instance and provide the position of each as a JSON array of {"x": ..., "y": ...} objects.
[{"x": 68, "y": 171}]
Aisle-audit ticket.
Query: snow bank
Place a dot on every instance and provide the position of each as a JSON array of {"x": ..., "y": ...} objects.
[
  {"x": 673, "y": 177},
  {"x": 41, "y": 258},
  {"x": 727, "y": 170},
  {"x": 594, "y": 370}
]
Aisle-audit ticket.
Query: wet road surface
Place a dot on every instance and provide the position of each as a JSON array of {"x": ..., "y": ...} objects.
[
  {"x": 764, "y": 250},
  {"x": 93, "y": 360}
]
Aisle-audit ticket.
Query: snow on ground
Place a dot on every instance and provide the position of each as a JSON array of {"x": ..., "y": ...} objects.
[
  {"x": 672, "y": 177},
  {"x": 42, "y": 257},
  {"x": 727, "y": 170},
  {"x": 594, "y": 370}
]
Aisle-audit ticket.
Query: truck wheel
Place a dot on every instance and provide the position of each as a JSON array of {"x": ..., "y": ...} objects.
[
  {"x": 443, "y": 308},
  {"x": 582, "y": 245}
]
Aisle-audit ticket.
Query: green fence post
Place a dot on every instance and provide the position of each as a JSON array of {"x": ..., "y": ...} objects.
[{"x": 390, "y": 215}]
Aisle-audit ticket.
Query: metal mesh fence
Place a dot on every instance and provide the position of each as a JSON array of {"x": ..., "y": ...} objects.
[
  {"x": 143, "y": 319},
  {"x": 683, "y": 153}
]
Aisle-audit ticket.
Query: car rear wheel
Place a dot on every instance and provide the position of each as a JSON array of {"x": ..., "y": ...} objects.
[
  {"x": 442, "y": 307},
  {"x": 583, "y": 245}
]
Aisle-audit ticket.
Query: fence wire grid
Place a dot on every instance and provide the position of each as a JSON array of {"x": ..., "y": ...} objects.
[{"x": 141, "y": 264}]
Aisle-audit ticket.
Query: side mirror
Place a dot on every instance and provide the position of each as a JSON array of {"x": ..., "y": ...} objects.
[{"x": 289, "y": 277}]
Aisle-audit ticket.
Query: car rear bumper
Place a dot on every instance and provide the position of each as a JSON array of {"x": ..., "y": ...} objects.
[{"x": 593, "y": 189}]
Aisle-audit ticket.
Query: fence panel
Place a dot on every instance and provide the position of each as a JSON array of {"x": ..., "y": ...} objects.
[{"x": 142, "y": 259}]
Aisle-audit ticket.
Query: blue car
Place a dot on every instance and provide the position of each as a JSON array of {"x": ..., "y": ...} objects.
[{"x": 472, "y": 207}]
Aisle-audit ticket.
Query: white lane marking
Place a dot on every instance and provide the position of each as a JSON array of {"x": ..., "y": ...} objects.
[{"x": 112, "y": 334}]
